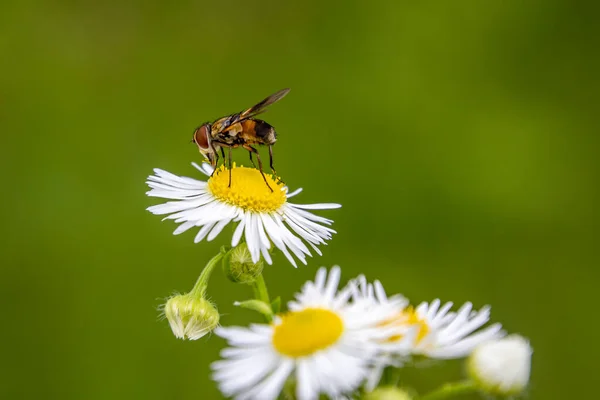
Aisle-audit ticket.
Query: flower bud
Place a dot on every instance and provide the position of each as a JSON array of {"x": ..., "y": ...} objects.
[
  {"x": 238, "y": 265},
  {"x": 387, "y": 393},
  {"x": 501, "y": 367},
  {"x": 190, "y": 317}
]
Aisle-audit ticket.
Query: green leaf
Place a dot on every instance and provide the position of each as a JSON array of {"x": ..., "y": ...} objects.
[
  {"x": 276, "y": 305},
  {"x": 256, "y": 305}
]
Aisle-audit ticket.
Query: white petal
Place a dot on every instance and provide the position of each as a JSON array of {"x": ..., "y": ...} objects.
[
  {"x": 321, "y": 278},
  {"x": 306, "y": 387},
  {"x": 238, "y": 336},
  {"x": 433, "y": 307},
  {"x": 271, "y": 387},
  {"x": 321, "y": 206},
  {"x": 469, "y": 326},
  {"x": 264, "y": 240},
  {"x": 205, "y": 168},
  {"x": 247, "y": 375},
  {"x": 272, "y": 231},
  {"x": 237, "y": 235},
  {"x": 333, "y": 282},
  {"x": 184, "y": 227},
  {"x": 310, "y": 216},
  {"x": 217, "y": 229},
  {"x": 379, "y": 292},
  {"x": 203, "y": 232},
  {"x": 441, "y": 314},
  {"x": 463, "y": 347},
  {"x": 461, "y": 317},
  {"x": 294, "y": 193},
  {"x": 252, "y": 239}
]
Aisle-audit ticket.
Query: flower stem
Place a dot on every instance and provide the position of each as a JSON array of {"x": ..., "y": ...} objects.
[
  {"x": 201, "y": 284},
  {"x": 260, "y": 292},
  {"x": 450, "y": 389}
]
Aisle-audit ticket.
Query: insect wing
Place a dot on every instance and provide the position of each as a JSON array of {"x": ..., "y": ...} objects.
[
  {"x": 260, "y": 107},
  {"x": 254, "y": 110}
]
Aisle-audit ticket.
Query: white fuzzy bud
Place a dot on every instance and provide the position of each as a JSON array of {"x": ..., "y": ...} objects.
[
  {"x": 190, "y": 317},
  {"x": 501, "y": 367}
]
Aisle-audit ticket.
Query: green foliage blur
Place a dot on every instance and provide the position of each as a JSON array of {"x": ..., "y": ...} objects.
[{"x": 460, "y": 137}]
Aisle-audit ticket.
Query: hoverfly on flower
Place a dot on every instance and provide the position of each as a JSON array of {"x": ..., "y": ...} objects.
[{"x": 239, "y": 129}]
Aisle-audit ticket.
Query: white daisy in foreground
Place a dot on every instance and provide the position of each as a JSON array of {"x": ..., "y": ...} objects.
[
  {"x": 324, "y": 342},
  {"x": 264, "y": 216},
  {"x": 501, "y": 367}
]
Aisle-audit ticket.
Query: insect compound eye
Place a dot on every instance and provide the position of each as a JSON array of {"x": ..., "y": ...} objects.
[{"x": 201, "y": 137}]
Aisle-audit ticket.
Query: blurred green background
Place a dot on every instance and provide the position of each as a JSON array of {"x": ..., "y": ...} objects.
[{"x": 460, "y": 137}]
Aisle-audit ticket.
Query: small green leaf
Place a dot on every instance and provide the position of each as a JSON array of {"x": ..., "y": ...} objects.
[
  {"x": 256, "y": 305},
  {"x": 225, "y": 249},
  {"x": 276, "y": 305}
]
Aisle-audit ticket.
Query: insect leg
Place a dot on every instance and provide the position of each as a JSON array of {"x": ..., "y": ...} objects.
[
  {"x": 271, "y": 164},
  {"x": 251, "y": 160},
  {"x": 230, "y": 167},
  {"x": 253, "y": 150},
  {"x": 214, "y": 162},
  {"x": 271, "y": 160},
  {"x": 216, "y": 145}
]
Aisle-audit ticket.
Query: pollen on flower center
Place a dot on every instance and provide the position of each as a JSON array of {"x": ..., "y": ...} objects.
[
  {"x": 408, "y": 317},
  {"x": 248, "y": 189},
  {"x": 419, "y": 323},
  {"x": 305, "y": 332}
]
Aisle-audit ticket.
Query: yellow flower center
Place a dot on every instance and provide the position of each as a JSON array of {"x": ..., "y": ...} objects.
[
  {"x": 302, "y": 333},
  {"x": 408, "y": 317},
  {"x": 248, "y": 189}
]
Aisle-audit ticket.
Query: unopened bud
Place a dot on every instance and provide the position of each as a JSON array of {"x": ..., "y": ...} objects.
[
  {"x": 190, "y": 317},
  {"x": 238, "y": 265},
  {"x": 501, "y": 367},
  {"x": 387, "y": 393}
]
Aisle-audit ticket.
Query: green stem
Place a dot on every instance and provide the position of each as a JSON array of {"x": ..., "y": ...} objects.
[
  {"x": 260, "y": 291},
  {"x": 450, "y": 389},
  {"x": 387, "y": 376},
  {"x": 201, "y": 284}
]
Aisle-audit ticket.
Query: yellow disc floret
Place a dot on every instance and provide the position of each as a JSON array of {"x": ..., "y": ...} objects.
[
  {"x": 408, "y": 317},
  {"x": 412, "y": 318},
  {"x": 248, "y": 189},
  {"x": 302, "y": 333}
]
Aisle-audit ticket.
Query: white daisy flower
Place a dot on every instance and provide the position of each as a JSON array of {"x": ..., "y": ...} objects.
[
  {"x": 325, "y": 342},
  {"x": 438, "y": 333},
  {"x": 445, "y": 335},
  {"x": 501, "y": 367},
  {"x": 264, "y": 216}
]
